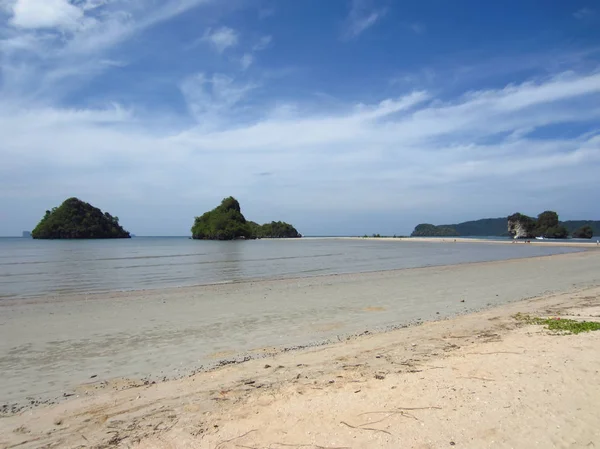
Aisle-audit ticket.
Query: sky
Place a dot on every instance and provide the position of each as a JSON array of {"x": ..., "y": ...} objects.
[{"x": 342, "y": 117}]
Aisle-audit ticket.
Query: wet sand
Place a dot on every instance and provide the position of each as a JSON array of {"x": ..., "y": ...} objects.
[
  {"x": 476, "y": 381},
  {"x": 49, "y": 347}
]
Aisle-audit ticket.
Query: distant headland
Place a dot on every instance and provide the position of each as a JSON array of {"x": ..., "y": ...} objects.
[{"x": 518, "y": 226}]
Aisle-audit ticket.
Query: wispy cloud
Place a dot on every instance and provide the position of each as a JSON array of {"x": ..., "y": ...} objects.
[
  {"x": 262, "y": 43},
  {"x": 585, "y": 14},
  {"x": 222, "y": 38},
  {"x": 246, "y": 60},
  {"x": 265, "y": 13},
  {"x": 415, "y": 151},
  {"x": 417, "y": 27},
  {"x": 249, "y": 57},
  {"x": 212, "y": 99},
  {"x": 49, "y": 41},
  {"x": 360, "y": 18}
]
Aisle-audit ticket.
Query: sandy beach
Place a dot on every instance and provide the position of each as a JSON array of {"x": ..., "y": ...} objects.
[
  {"x": 554, "y": 243},
  {"x": 474, "y": 378}
]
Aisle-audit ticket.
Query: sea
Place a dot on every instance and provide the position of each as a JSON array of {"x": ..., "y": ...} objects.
[{"x": 52, "y": 268}]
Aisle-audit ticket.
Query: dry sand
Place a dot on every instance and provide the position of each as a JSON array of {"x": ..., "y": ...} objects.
[{"x": 479, "y": 380}]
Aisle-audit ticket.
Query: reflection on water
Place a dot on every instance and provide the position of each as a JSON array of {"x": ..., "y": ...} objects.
[{"x": 57, "y": 267}]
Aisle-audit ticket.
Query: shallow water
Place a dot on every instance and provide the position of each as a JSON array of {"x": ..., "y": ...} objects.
[{"x": 30, "y": 268}]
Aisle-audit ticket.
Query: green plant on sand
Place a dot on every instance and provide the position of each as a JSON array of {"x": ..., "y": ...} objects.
[{"x": 560, "y": 325}]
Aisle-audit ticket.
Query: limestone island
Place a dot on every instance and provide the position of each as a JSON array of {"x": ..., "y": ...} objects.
[
  {"x": 75, "y": 219},
  {"x": 545, "y": 226},
  {"x": 226, "y": 222}
]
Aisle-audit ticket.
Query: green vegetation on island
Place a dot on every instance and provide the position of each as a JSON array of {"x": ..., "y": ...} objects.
[
  {"x": 584, "y": 232},
  {"x": 273, "y": 230},
  {"x": 226, "y": 222},
  {"x": 75, "y": 219},
  {"x": 497, "y": 227},
  {"x": 429, "y": 230},
  {"x": 486, "y": 227}
]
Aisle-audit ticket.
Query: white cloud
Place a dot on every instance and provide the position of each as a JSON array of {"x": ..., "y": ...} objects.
[
  {"x": 52, "y": 41},
  {"x": 418, "y": 151},
  {"x": 338, "y": 161},
  {"x": 360, "y": 18},
  {"x": 46, "y": 14},
  {"x": 222, "y": 38}
]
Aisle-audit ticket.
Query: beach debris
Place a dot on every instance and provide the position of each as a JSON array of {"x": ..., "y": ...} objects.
[
  {"x": 222, "y": 443},
  {"x": 267, "y": 366},
  {"x": 452, "y": 443},
  {"x": 462, "y": 300},
  {"x": 379, "y": 376},
  {"x": 364, "y": 428},
  {"x": 93, "y": 376}
]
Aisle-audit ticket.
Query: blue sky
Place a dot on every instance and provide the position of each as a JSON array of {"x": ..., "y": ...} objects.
[{"x": 339, "y": 116}]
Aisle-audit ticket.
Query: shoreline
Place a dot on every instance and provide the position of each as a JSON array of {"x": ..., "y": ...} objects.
[
  {"x": 166, "y": 334},
  {"x": 554, "y": 243},
  {"x": 45, "y": 298},
  {"x": 444, "y": 381}
]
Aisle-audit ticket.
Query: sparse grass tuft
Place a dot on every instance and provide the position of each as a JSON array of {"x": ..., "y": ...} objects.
[{"x": 560, "y": 325}]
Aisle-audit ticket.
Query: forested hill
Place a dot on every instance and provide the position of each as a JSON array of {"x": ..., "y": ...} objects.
[
  {"x": 75, "y": 219},
  {"x": 226, "y": 222},
  {"x": 481, "y": 228},
  {"x": 489, "y": 227}
]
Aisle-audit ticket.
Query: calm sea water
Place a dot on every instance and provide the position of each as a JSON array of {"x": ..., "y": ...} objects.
[{"x": 31, "y": 268}]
